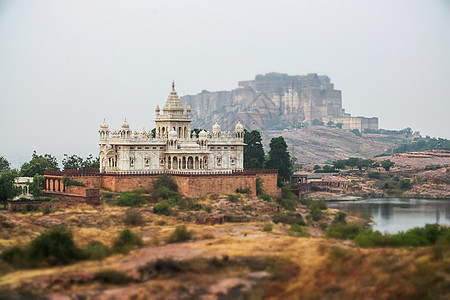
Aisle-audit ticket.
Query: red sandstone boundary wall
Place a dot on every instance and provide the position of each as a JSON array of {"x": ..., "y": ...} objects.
[{"x": 190, "y": 185}]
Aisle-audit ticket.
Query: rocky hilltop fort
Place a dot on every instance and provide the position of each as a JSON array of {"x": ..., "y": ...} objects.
[{"x": 275, "y": 100}]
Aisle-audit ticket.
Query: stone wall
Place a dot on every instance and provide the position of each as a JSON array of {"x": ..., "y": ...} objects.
[{"x": 189, "y": 185}]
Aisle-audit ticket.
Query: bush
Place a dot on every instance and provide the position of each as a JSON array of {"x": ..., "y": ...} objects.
[
  {"x": 130, "y": 199},
  {"x": 428, "y": 235},
  {"x": 374, "y": 175},
  {"x": 299, "y": 231},
  {"x": 162, "y": 208},
  {"x": 233, "y": 198},
  {"x": 111, "y": 276},
  {"x": 343, "y": 231},
  {"x": 181, "y": 234},
  {"x": 208, "y": 209},
  {"x": 288, "y": 218},
  {"x": 268, "y": 227},
  {"x": 288, "y": 199},
  {"x": 404, "y": 184},
  {"x": 265, "y": 197},
  {"x": 246, "y": 190},
  {"x": 126, "y": 242},
  {"x": 108, "y": 195},
  {"x": 133, "y": 217},
  {"x": 16, "y": 256},
  {"x": 340, "y": 218},
  {"x": 67, "y": 181},
  {"x": 96, "y": 250}
]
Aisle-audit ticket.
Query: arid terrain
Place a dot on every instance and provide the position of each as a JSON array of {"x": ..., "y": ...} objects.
[
  {"x": 319, "y": 144},
  {"x": 233, "y": 253}
]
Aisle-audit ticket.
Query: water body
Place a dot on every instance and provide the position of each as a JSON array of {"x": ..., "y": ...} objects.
[{"x": 399, "y": 214}]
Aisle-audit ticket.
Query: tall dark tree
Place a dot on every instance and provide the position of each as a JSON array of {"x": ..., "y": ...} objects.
[
  {"x": 253, "y": 151},
  {"x": 7, "y": 188},
  {"x": 38, "y": 164},
  {"x": 4, "y": 164},
  {"x": 279, "y": 158}
]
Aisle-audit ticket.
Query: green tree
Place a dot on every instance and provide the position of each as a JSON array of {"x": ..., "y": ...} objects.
[
  {"x": 365, "y": 164},
  {"x": 7, "y": 188},
  {"x": 38, "y": 164},
  {"x": 36, "y": 185},
  {"x": 4, "y": 164},
  {"x": 387, "y": 164},
  {"x": 339, "y": 164},
  {"x": 253, "y": 151},
  {"x": 315, "y": 122},
  {"x": 356, "y": 132},
  {"x": 279, "y": 159},
  {"x": 352, "y": 161},
  {"x": 74, "y": 162}
]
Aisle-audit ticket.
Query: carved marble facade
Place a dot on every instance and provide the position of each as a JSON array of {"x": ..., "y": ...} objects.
[{"x": 171, "y": 147}]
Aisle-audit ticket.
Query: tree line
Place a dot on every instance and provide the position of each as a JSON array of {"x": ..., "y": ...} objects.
[{"x": 35, "y": 168}]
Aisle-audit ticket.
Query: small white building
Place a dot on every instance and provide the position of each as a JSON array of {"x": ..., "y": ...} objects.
[
  {"x": 172, "y": 148},
  {"x": 23, "y": 183}
]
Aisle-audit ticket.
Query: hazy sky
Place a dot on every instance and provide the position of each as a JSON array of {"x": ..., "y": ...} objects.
[{"x": 66, "y": 65}]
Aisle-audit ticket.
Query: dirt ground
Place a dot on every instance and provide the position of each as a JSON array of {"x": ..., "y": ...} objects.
[{"x": 222, "y": 261}]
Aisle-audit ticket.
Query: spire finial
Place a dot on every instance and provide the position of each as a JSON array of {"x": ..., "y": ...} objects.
[{"x": 173, "y": 85}]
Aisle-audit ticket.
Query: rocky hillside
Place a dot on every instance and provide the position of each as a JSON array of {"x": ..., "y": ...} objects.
[
  {"x": 268, "y": 101},
  {"x": 318, "y": 144}
]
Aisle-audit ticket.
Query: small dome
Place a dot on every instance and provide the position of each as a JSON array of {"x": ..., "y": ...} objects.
[
  {"x": 173, "y": 134},
  {"x": 202, "y": 134},
  {"x": 125, "y": 124},
  {"x": 216, "y": 127},
  {"x": 157, "y": 108},
  {"x": 104, "y": 125},
  {"x": 188, "y": 108},
  {"x": 239, "y": 127}
]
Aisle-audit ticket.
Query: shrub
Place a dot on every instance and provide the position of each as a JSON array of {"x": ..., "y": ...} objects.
[
  {"x": 428, "y": 235},
  {"x": 208, "y": 209},
  {"x": 340, "y": 218},
  {"x": 299, "y": 231},
  {"x": 268, "y": 227},
  {"x": 181, "y": 234},
  {"x": 404, "y": 184},
  {"x": 108, "y": 195},
  {"x": 67, "y": 181},
  {"x": 343, "y": 231},
  {"x": 126, "y": 242},
  {"x": 46, "y": 210},
  {"x": 129, "y": 199},
  {"x": 315, "y": 214},
  {"x": 96, "y": 250},
  {"x": 246, "y": 190},
  {"x": 111, "y": 276},
  {"x": 133, "y": 217},
  {"x": 289, "y": 218},
  {"x": 265, "y": 197},
  {"x": 55, "y": 246},
  {"x": 374, "y": 175},
  {"x": 259, "y": 186},
  {"x": 233, "y": 198},
  {"x": 16, "y": 256},
  {"x": 162, "y": 208}
]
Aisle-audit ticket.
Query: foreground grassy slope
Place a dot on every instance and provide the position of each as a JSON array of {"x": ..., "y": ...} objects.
[{"x": 230, "y": 260}]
